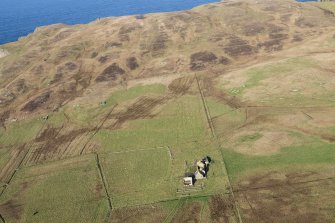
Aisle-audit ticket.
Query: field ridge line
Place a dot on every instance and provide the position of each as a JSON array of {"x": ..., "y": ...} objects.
[
  {"x": 209, "y": 120},
  {"x": 174, "y": 211},
  {"x": 103, "y": 179},
  {"x": 97, "y": 128},
  {"x": 216, "y": 139},
  {"x": 30, "y": 145}
]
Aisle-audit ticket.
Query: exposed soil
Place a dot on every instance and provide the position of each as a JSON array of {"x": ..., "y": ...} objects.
[{"x": 188, "y": 213}]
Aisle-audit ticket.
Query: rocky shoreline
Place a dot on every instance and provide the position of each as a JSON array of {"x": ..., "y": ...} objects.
[{"x": 3, "y": 53}]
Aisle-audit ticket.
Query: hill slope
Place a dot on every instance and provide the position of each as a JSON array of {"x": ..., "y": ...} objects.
[{"x": 99, "y": 122}]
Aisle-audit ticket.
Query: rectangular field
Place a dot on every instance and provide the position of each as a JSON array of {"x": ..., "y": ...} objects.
[
  {"x": 63, "y": 191},
  {"x": 145, "y": 160}
]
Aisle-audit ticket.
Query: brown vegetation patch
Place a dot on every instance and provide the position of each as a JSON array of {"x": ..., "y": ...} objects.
[
  {"x": 12, "y": 208},
  {"x": 221, "y": 208},
  {"x": 253, "y": 29},
  {"x": 57, "y": 77},
  {"x": 323, "y": 135},
  {"x": 132, "y": 63},
  {"x": 61, "y": 70},
  {"x": 38, "y": 70},
  {"x": 111, "y": 73},
  {"x": 141, "y": 108},
  {"x": 18, "y": 86},
  {"x": 103, "y": 59},
  {"x": 62, "y": 35},
  {"x": 113, "y": 45},
  {"x": 70, "y": 66},
  {"x": 210, "y": 89},
  {"x": 94, "y": 55},
  {"x": 278, "y": 36},
  {"x": 275, "y": 29},
  {"x": 13, "y": 69},
  {"x": 271, "y": 45},
  {"x": 135, "y": 215},
  {"x": 303, "y": 23},
  {"x": 181, "y": 85},
  {"x": 125, "y": 30},
  {"x": 285, "y": 18},
  {"x": 238, "y": 47},
  {"x": 294, "y": 197},
  {"x": 297, "y": 38},
  {"x": 224, "y": 60},
  {"x": 267, "y": 143},
  {"x": 52, "y": 141},
  {"x": 159, "y": 44},
  {"x": 65, "y": 52},
  {"x": 199, "y": 60},
  {"x": 48, "y": 133},
  {"x": 3, "y": 117},
  {"x": 188, "y": 213},
  {"x": 37, "y": 102}
]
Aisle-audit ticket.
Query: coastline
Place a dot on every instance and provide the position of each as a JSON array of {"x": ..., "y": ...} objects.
[{"x": 16, "y": 31}]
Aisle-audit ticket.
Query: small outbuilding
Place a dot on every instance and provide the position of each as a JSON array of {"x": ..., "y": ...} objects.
[
  {"x": 202, "y": 167},
  {"x": 189, "y": 179}
]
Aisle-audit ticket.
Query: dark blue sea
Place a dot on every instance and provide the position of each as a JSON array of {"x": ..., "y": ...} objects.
[{"x": 21, "y": 17}]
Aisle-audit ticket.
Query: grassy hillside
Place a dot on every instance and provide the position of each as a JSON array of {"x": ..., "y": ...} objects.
[{"x": 100, "y": 122}]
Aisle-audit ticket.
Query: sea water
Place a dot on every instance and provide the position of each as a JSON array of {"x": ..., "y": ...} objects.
[{"x": 21, "y": 17}]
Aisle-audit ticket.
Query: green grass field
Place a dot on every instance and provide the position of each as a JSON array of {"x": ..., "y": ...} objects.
[
  {"x": 143, "y": 161},
  {"x": 63, "y": 191},
  {"x": 21, "y": 132},
  {"x": 140, "y": 153},
  {"x": 316, "y": 152}
]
